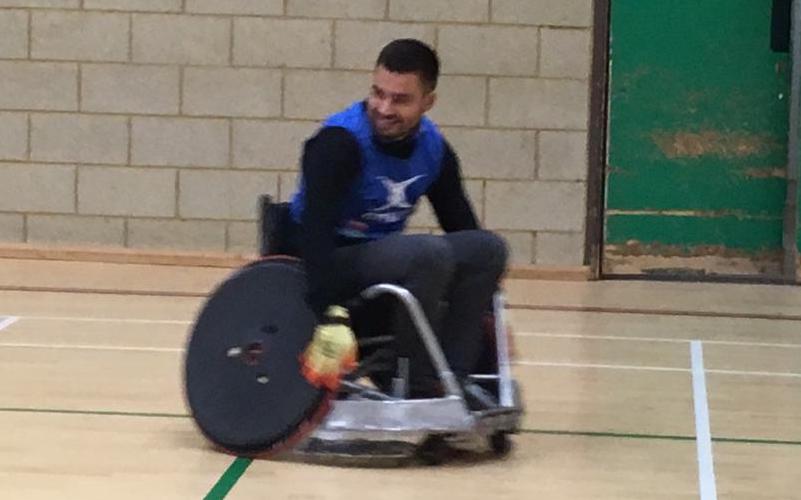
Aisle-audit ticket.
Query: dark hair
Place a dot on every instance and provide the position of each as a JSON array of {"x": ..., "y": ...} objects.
[{"x": 408, "y": 55}]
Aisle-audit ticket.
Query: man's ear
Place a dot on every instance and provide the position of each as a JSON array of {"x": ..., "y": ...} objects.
[{"x": 429, "y": 100}]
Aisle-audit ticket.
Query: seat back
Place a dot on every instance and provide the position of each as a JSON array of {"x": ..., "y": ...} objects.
[{"x": 274, "y": 221}]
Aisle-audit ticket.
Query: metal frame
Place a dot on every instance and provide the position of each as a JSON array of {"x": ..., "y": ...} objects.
[
  {"x": 391, "y": 419},
  {"x": 452, "y": 389},
  {"x": 505, "y": 389},
  {"x": 790, "y": 236}
]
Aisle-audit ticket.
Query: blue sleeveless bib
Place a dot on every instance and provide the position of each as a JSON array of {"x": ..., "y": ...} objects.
[{"x": 388, "y": 188}]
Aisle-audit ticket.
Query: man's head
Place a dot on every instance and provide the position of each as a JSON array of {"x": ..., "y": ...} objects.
[{"x": 404, "y": 81}]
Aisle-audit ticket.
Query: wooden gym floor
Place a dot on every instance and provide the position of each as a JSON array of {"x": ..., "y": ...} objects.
[{"x": 634, "y": 390}]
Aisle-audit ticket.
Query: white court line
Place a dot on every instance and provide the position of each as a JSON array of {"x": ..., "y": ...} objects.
[
  {"x": 91, "y": 347},
  {"x": 703, "y": 436},
  {"x": 522, "y": 362},
  {"x": 653, "y": 339},
  {"x": 7, "y": 321},
  {"x": 109, "y": 320},
  {"x": 755, "y": 374},
  {"x": 525, "y": 362},
  {"x": 599, "y": 337}
]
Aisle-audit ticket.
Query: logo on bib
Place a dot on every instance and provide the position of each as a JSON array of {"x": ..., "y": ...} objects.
[{"x": 397, "y": 206}]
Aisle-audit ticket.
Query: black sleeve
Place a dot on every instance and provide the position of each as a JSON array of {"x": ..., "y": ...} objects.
[
  {"x": 330, "y": 165},
  {"x": 448, "y": 199}
]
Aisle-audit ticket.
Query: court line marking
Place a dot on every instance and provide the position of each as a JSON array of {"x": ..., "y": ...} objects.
[
  {"x": 103, "y": 413},
  {"x": 108, "y": 320},
  {"x": 103, "y": 291},
  {"x": 559, "y": 364},
  {"x": 654, "y": 339},
  {"x": 706, "y": 461},
  {"x": 510, "y": 305},
  {"x": 6, "y": 321},
  {"x": 656, "y": 312},
  {"x": 516, "y": 334},
  {"x": 556, "y": 364},
  {"x": 665, "y": 437},
  {"x": 754, "y": 373},
  {"x": 228, "y": 479},
  {"x": 83, "y": 347},
  {"x": 522, "y": 362},
  {"x": 557, "y": 432}
]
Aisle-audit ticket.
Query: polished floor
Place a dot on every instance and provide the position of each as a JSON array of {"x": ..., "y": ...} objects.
[{"x": 634, "y": 390}]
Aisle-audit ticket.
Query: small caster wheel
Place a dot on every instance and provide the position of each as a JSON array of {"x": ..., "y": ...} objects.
[
  {"x": 433, "y": 451},
  {"x": 500, "y": 443}
]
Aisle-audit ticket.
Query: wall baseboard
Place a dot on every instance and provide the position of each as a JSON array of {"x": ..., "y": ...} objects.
[{"x": 229, "y": 260}]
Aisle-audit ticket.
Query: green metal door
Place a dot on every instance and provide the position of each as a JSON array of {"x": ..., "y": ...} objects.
[{"x": 697, "y": 139}]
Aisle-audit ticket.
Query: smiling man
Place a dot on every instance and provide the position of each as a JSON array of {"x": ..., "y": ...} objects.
[{"x": 363, "y": 173}]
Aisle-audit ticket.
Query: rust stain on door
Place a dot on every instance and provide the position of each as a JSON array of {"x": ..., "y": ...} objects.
[{"x": 712, "y": 143}]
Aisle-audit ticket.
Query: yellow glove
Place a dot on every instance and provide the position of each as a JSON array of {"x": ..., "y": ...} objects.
[{"x": 332, "y": 351}]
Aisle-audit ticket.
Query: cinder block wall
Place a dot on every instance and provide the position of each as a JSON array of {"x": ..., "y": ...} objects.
[{"x": 156, "y": 123}]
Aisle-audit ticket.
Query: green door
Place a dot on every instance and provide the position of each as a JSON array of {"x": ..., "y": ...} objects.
[{"x": 697, "y": 144}]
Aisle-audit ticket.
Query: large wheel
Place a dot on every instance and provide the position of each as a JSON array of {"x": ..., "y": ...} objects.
[{"x": 242, "y": 372}]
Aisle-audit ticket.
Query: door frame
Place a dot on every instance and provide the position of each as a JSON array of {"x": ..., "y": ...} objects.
[
  {"x": 598, "y": 142},
  {"x": 597, "y": 138}
]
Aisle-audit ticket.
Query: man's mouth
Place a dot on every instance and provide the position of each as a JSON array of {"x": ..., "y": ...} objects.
[{"x": 386, "y": 121}]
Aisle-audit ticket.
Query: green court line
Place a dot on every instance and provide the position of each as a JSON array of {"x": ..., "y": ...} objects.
[
  {"x": 553, "y": 432},
  {"x": 217, "y": 492},
  {"x": 94, "y": 412},
  {"x": 229, "y": 478},
  {"x": 755, "y": 441},
  {"x": 625, "y": 435},
  {"x": 622, "y": 435}
]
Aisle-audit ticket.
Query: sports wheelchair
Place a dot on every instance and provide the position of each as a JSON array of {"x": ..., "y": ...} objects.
[{"x": 247, "y": 394}]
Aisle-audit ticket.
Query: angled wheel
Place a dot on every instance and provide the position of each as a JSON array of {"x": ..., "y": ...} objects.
[{"x": 242, "y": 371}]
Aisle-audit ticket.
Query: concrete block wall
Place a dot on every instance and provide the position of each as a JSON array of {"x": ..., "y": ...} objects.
[{"x": 156, "y": 123}]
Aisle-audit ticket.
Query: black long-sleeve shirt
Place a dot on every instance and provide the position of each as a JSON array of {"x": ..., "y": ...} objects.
[{"x": 331, "y": 164}]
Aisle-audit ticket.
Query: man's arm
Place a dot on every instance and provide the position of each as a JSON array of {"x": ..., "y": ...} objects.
[
  {"x": 330, "y": 164},
  {"x": 448, "y": 199}
]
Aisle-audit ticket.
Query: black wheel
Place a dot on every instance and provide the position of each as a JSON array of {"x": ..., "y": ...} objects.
[
  {"x": 500, "y": 443},
  {"x": 433, "y": 451},
  {"x": 242, "y": 374}
]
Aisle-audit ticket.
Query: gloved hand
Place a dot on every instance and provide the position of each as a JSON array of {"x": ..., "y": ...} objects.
[{"x": 332, "y": 351}]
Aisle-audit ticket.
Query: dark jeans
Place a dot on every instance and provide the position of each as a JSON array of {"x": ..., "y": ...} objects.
[{"x": 460, "y": 270}]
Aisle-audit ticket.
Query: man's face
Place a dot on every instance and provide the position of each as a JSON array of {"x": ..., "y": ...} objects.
[{"x": 396, "y": 103}]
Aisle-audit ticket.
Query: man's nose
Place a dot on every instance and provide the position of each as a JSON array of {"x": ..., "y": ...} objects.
[{"x": 385, "y": 106}]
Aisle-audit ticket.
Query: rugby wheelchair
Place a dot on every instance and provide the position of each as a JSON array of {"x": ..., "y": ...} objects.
[{"x": 247, "y": 394}]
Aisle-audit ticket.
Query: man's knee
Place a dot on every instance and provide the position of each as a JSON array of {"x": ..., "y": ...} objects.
[
  {"x": 434, "y": 254},
  {"x": 497, "y": 250},
  {"x": 489, "y": 252}
]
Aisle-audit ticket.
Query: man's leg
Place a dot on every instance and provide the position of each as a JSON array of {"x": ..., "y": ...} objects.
[
  {"x": 481, "y": 258},
  {"x": 424, "y": 265}
]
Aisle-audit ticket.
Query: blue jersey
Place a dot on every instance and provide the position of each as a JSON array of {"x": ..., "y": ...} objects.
[{"x": 387, "y": 189}]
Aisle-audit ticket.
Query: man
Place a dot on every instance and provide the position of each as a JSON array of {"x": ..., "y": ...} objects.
[{"x": 362, "y": 174}]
